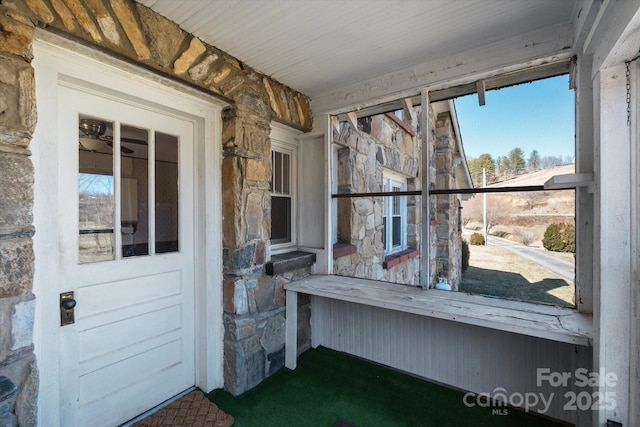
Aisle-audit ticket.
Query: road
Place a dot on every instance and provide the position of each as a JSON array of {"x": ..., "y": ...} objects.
[{"x": 563, "y": 268}]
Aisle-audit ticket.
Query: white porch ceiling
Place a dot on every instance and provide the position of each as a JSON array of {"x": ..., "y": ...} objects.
[{"x": 318, "y": 47}]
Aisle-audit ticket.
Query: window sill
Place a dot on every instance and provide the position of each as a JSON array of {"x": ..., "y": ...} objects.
[
  {"x": 398, "y": 257},
  {"x": 343, "y": 249},
  {"x": 289, "y": 261},
  {"x": 549, "y": 322}
]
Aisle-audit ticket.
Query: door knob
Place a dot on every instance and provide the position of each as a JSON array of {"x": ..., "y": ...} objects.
[{"x": 68, "y": 304}]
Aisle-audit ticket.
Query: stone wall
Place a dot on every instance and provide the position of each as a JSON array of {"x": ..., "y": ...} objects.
[
  {"x": 446, "y": 237},
  {"x": 254, "y": 318},
  {"x": 133, "y": 32},
  {"x": 379, "y": 143},
  {"x": 18, "y": 371}
]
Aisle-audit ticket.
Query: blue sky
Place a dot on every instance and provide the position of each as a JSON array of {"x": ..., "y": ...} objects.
[{"x": 537, "y": 115}]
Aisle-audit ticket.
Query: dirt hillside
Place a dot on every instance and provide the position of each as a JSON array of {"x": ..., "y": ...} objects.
[
  {"x": 536, "y": 178},
  {"x": 523, "y": 216}
]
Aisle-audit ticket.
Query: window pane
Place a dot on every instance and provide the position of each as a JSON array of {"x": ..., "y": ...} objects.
[
  {"x": 285, "y": 174},
  {"x": 95, "y": 192},
  {"x": 280, "y": 219},
  {"x": 273, "y": 172},
  {"x": 166, "y": 164},
  {"x": 277, "y": 172},
  {"x": 397, "y": 231},
  {"x": 134, "y": 185},
  {"x": 396, "y": 201}
]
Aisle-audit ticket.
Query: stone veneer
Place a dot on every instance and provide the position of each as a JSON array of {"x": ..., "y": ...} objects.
[
  {"x": 379, "y": 143},
  {"x": 446, "y": 237},
  {"x": 130, "y": 31}
]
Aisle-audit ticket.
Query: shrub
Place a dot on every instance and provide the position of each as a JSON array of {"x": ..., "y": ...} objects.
[
  {"x": 477, "y": 239},
  {"x": 525, "y": 237},
  {"x": 560, "y": 238},
  {"x": 465, "y": 255}
]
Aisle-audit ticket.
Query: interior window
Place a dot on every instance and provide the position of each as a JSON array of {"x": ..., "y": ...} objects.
[
  {"x": 166, "y": 194},
  {"x": 134, "y": 190},
  {"x": 96, "y": 193},
  {"x": 148, "y": 208}
]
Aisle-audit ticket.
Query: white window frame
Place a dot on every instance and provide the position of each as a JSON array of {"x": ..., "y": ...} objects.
[
  {"x": 284, "y": 140},
  {"x": 334, "y": 190},
  {"x": 390, "y": 180}
]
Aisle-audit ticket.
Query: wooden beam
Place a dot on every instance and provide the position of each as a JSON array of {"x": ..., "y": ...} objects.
[
  {"x": 352, "y": 119},
  {"x": 407, "y": 106},
  {"x": 516, "y": 53},
  {"x": 425, "y": 166},
  {"x": 505, "y": 80},
  {"x": 480, "y": 90},
  {"x": 291, "y": 330},
  {"x": 335, "y": 124}
]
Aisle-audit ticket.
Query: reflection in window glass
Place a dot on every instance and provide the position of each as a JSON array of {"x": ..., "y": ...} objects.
[
  {"x": 95, "y": 192},
  {"x": 166, "y": 193},
  {"x": 134, "y": 184},
  {"x": 281, "y": 219}
]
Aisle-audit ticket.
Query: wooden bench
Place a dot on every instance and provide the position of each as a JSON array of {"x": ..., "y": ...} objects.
[{"x": 537, "y": 320}]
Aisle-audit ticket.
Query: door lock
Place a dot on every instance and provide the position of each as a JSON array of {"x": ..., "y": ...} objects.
[{"x": 67, "y": 304}]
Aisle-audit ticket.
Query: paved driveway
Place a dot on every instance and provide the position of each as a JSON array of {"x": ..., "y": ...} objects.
[{"x": 563, "y": 268}]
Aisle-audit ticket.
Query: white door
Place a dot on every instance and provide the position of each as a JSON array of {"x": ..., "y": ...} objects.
[{"x": 126, "y": 237}]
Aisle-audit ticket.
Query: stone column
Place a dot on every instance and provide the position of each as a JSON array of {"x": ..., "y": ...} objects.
[
  {"x": 447, "y": 245},
  {"x": 17, "y": 304}
]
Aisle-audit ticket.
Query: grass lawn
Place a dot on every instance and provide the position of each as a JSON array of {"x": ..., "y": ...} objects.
[
  {"x": 499, "y": 272},
  {"x": 328, "y": 385}
]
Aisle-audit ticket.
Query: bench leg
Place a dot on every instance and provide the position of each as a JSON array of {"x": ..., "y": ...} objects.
[{"x": 291, "y": 343}]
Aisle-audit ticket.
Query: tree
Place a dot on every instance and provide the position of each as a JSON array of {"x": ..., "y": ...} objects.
[
  {"x": 549, "y": 162},
  {"x": 531, "y": 198},
  {"x": 534, "y": 161},
  {"x": 516, "y": 160},
  {"x": 504, "y": 166},
  {"x": 484, "y": 161},
  {"x": 472, "y": 209},
  {"x": 498, "y": 210}
]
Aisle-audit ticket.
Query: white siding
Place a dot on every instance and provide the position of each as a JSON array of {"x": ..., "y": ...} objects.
[
  {"x": 311, "y": 179},
  {"x": 463, "y": 356}
]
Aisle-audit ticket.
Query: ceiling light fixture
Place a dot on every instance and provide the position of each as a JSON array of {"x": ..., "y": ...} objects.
[{"x": 93, "y": 130}]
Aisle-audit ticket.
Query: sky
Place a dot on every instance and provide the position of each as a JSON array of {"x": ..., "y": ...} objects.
[{"x": 539, "y": 115}]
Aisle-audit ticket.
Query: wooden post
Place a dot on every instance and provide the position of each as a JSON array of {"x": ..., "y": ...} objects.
[
  {"x": 425, "y": 117},
  {"x": 291, "y": 339}
]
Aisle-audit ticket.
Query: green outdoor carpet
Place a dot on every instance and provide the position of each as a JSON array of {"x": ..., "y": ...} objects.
[{"x": 328, "y": 387}]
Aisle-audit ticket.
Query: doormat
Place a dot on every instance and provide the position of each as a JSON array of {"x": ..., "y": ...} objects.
[{"x": 192, "y": 410}]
